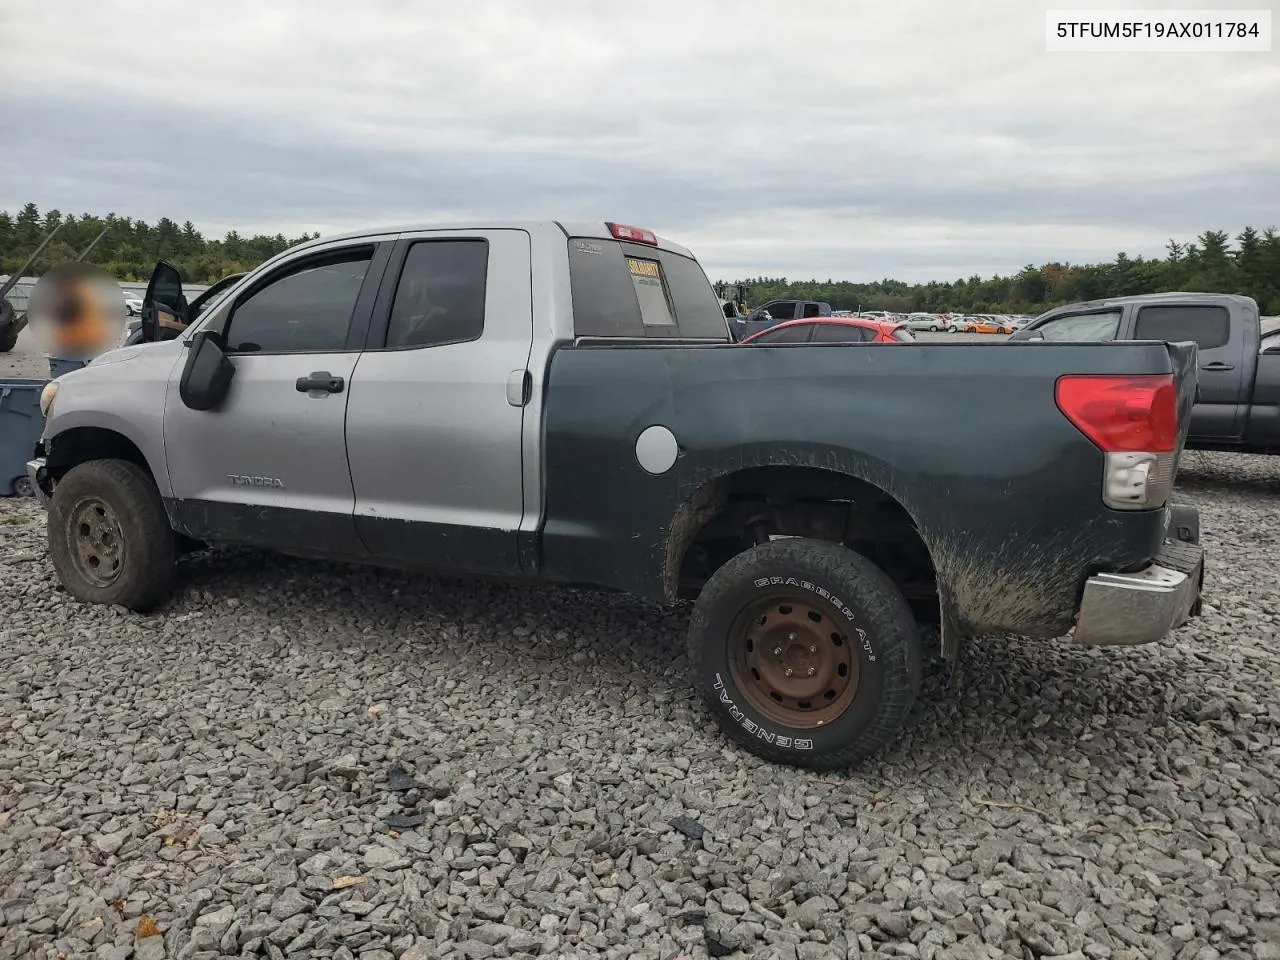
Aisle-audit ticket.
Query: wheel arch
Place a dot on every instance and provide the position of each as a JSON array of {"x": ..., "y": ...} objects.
[
  {"x": 79, "y": 444},
  {"x": 737, "y": 508}
]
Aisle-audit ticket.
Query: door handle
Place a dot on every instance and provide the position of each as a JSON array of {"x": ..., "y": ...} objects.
[
  {"x": 321, "y": 380},
  {"x": 1218, "y": 365}
]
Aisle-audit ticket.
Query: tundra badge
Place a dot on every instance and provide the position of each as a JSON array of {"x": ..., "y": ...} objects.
[{"x": 240, "y": 481}]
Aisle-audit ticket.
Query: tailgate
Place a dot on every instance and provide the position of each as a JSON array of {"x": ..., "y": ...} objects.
[{"x": 1183, "y": 358}]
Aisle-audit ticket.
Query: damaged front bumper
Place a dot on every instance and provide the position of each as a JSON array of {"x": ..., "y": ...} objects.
[{"x": 1146, "y": 606}]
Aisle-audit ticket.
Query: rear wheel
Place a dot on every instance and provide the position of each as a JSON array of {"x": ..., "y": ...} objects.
[
  {"x": 21, "y": 487},
  {"x": 806, "y": 653},
  {"x": 109, "y": 537},
  {"x": 8, "y": 340}
]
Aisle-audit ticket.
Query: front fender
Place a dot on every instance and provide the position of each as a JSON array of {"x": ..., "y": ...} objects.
[{"x": 125, "y": 396}]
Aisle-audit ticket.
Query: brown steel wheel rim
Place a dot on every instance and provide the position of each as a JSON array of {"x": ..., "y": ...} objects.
[{"x": 791, "y": 657}]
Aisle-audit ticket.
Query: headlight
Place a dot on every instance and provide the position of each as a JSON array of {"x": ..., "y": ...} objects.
[{"x": 46, "y": 397}]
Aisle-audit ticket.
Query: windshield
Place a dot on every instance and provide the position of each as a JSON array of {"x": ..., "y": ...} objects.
[{"x": 211, "y": 296}]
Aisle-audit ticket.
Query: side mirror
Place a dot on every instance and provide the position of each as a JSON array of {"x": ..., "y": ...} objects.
[{"x": 207, "y": 373}]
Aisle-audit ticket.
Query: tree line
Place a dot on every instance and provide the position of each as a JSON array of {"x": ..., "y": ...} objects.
[
  {"x": 1213, "y": 263},
  {"x": 130, "y": 248}
]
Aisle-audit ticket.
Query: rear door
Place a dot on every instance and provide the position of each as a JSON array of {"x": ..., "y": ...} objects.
[
  {"x": 437, "y": 402},
  {"x": 1221, "y": 395}
]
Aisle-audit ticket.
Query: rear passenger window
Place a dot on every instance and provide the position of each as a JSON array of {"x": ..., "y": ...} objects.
[
  {"x": 440, "y": 295},
  {"x": 800, "y": 333},
  {"x": 842, "y": 333},
  {"x": 811, "y": 310},
  {"x": 1208, "y": 326}
]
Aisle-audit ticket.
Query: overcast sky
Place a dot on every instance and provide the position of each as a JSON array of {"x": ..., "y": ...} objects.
[{"x": 802, "y": 138}]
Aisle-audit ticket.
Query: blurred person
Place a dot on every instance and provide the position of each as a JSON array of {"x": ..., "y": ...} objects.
[{"x": 78, "y": 311}]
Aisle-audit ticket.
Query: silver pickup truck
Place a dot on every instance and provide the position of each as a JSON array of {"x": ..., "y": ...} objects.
[{"x": 563, "y": 402}]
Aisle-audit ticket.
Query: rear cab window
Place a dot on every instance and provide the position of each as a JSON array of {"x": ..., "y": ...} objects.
[{"x": 635, "y": 290}]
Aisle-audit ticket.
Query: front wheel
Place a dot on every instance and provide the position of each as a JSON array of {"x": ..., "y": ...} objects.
[
  {"x": 806, "y": 653},
  {"x": 109, "y": 537}
]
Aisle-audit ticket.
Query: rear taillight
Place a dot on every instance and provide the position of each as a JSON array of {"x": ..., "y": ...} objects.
[
  {"x": 1133, "y": 420},
  {"x": 621, "y": 231}
]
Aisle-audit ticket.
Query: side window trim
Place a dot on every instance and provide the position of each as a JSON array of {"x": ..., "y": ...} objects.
[
  {"x": 379, "y": 325},
  {"x": 358, "y": 326}
]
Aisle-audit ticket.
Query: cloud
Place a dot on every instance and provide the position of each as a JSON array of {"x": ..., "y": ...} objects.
[{"x": 921, "y": 140}]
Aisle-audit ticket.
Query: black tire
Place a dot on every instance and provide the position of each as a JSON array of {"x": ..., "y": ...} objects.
[
  {"x": 21, "y": 487},
  {"x": 883, "y": 640},
  {"x": 8, "y": 340},
  {"x": 933, "y": 329},
  {"x": 122, "y": 497}
]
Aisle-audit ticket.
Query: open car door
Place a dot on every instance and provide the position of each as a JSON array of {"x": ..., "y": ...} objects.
[{"x": 164, "y": 308}]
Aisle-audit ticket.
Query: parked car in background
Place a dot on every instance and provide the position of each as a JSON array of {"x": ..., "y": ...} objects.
[
  {"x": 975, "y": 324},
  {"x": 132, "y": 303},
  {"x": 833, "y": 330},
  {"x": 775, "y": 312},
  {"x": 928, "y": 321},
  {"x": 1237, "y": 397}
]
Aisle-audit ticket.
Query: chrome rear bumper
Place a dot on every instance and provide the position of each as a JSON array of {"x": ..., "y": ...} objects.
[{"x": 1142, "y": 607}]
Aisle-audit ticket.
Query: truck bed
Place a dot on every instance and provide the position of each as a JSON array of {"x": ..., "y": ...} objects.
[{"x": 1004, "y": 490}]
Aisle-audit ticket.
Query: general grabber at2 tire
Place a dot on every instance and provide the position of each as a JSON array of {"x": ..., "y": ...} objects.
[
  {"x": 109, "y": 537},
  {"x": 806, "y": 653}
]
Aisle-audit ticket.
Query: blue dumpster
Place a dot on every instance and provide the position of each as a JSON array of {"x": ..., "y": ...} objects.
[
  {"x": 20, "y": 427},
  {"x": 58, "y": 366}
]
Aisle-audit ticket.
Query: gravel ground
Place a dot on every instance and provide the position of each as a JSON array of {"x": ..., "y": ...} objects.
[{"x": 302, "y": 759}]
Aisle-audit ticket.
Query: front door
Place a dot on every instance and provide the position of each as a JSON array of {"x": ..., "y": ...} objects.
[
  {"x": 269, "y": 464},
  {"x": 437, "y": 407}
]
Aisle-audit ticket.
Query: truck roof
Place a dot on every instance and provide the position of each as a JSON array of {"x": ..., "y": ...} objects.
[
  {"x": 1154, "y": 298},
  {"x": 593, "y": 229}
]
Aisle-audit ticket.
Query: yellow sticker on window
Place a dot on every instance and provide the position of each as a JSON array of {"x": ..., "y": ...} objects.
[{"x": 643, "y": 268}]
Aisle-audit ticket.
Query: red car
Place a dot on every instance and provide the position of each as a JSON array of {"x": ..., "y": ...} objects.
[{"x": 833, "y": 330}]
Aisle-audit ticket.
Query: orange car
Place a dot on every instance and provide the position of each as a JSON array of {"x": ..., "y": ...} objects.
[{"x": 984, "y": 325}]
